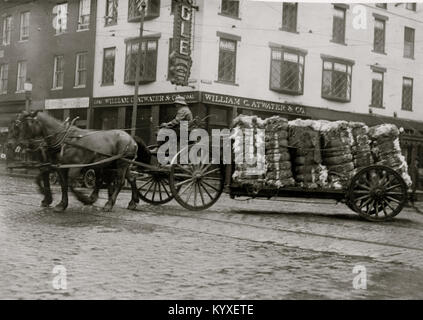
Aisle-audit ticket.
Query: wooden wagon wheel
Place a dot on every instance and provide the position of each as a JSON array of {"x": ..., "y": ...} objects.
[
  {"x": 377, "y": 193},
  {"x": 197, "y": 187},
  {"x": 153, "y": 187}
]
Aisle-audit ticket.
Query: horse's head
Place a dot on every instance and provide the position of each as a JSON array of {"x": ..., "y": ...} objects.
[{"x": 28, "y": 127}]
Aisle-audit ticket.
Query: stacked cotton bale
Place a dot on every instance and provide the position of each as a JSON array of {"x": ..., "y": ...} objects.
[
  {"x": 387, "y": 151},
  {"x": 278, "y": 160},
  {"x": 337, "y": 154},
  {"x": 249, "y": 172},
  {"x": 304, "y": 136},
  {"x": 361, "y": 150}
]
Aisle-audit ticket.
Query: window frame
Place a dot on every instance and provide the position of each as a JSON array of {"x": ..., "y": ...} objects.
[
  {"x": 411, "y": 94},
  {"x": 56, "y": 7},
  {"x": 145, "y": 43},
  {"x": 108, "y": 21},
  {"x": 20, "y": 76},
  {"x": 228, "y": 12},
  {"x": 55, "y": 72},
  {"x": 410, "y": 43},
  {"x": 283, "y": 49},
  {"x": 149, "y": 13},
  {"x": 220, "y": 57},
  {"x": 103, "y": 77},
  {"x": 4, "y": 78},
  {"x": 284, "y": 8},
  {"x": 333, "y": 60},
  {"x": 79, "y": 71},
  {"x": 375, "y": 48},
  {"x": 83, "y": 26},
  {"x": 24, "y": 36},
  {"x": 7, "y": 30},
  {"x": 344, "y": 22},
  {"x": 381, "y": 72}
]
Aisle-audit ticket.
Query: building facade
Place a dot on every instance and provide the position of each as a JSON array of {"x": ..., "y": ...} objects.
[{"x": 49, "y": 44}]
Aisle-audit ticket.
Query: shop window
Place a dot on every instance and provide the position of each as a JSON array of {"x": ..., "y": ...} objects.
[
  {"x": 219, "y": 117},
  {"x": 227, "y": 60},
  {"x": 408, "y": 42},
  {"x": 287, "y": 71},
  {"x": 148, "y": 61},
  {"x": 289, "y": 16},
  {"x": 230, "y": 8},
  {"x": 407, "y": 94},
  {"x": 152, "y": 10},
  {"x": 111, "y": 12},
  {"x": 336, "y": 79},
  {"x": 379, "y": 36},
  {"x": 108, "y": 66},
  {"x": 338, "y": 27},
  {"x": 377, "y": 89}
]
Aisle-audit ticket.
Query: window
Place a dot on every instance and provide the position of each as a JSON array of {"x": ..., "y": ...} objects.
[
  {"x": 227, "y": 60},
  {"x": 336, "y": 79},
  {"x": 379, "y": 36},
  {"x": 230, "y": 8},
  {"x": 148, "y": 61},
  {"x": 411, "y": 6},
  {"x": 338, "y": 27},
  {"x": 4, "y": 73},
  {"x": 7, "y": 29},
  {"x": 21, "y": 78},
  {"x": 108, "y": 66},
  {"x": 382, "y": 5},
  {"x": 408, "y": 42},
  {"x": 377, "y": 89},
  {"x": 58, "y": 72},
  {"x": 81, "y": 69},
  {"x": 24, "y": 26},
  {"x": 152, "y": 10},
  {"x": 289, "y": 16},
  {"x": 111, "y": 12},
  {"x": 407, "y": 94},
  {"x": 84, "y": 14},
  {"x": 60, "y": 20},
  {"x": 287, "y": 70}
]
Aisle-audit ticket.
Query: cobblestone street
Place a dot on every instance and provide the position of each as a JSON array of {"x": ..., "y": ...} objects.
[{"x": 251, "y": 249}]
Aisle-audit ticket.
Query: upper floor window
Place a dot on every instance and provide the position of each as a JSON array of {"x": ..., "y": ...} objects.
[
  {"x": 4, "y": 74},
  {"x": 24, "y": 26},
  {"x": 84, "y": 14},
  {"x": 108, "y": 66},
  {"x": 60, "y": 20},
  {"x": 148, "y": 61},
  {"x": 81, "y": 69},
  {"x": 411, "y": 6},
  {"x": 336, "y": 79},
  {"x": 289, "y": 16},
  {"x": 379, "y": 36},
  {"x": 408, "y": 42},
  {"x": 7, "y": 30},
  {"x": 230, "y": 8},
  {"x": 382, "y": 5},
  {"x": 227, "y": 60},
  {"x": 152, "y": 10},
  {"x": 58, "y": 72},
  {"x": 21, "y": 78},
  {"x": 287, "y": 70},
  {"x": 338, "y": 27},
  {"x": 407, "y": 94},
  {"x": 377, "y": 89},
  {"x": 111, "y": 12}
]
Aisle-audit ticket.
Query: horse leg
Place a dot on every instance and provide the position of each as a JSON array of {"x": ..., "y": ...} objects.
[
  {"x": 74, "y": 173},
  {"x": 135, "y": 196},
  {"x": 63, "y": 179},
  {"x": 119, "y": 181},
  {"x": 48, "y": 198},
  {"x": 98, "y": 183}
]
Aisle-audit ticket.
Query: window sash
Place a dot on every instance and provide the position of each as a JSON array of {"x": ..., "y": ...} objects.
[
  {"x": 407, "y": 94},
  {"x": 109, "y": 66},
  {"x": 287, "y": 72},
  {"x": 58, "y": 73},
  {"x": 408, "y": 42},
  {"x": 84, "y": 14},
  {"x": 61, "y": 17},
  {"x": 227, "y": 60},
  {"x": 230, "y": 8},
  {"x": 148, "y": 66},
  {"x": 111, "y": 12},
  {"x": 379, "y": 36},
  {"x": 4, "y": 73},
  {"x": 377, "y": 90},
  {"x": 289, "y": 16},
  {"x": 336, "y": 84},
  {"x": 7, "y": 30},
  {"x": 81, "y": 69},
  {"x": 21, "y": 78},
  {"x": 338, "y": 27},
  {"x": 24, "y": 26}
]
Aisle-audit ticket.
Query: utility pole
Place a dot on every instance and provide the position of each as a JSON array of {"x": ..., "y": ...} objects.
[{"x": 137, "y": 72}]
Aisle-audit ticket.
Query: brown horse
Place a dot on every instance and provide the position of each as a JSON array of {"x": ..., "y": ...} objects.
[{"x": 69, "y": 145}]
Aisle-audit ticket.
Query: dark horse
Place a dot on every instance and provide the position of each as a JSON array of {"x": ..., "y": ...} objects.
[{"x": 69, "y": 145}]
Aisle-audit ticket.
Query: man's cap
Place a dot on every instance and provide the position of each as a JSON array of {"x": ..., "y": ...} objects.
[{"x": 180, "y": 100}]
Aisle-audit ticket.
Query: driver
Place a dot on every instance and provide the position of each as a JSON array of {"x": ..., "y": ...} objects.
[{"x": 183, "y": 114}]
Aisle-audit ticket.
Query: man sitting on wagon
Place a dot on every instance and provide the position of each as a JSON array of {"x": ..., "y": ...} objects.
[{"x": 183, "y": 114}]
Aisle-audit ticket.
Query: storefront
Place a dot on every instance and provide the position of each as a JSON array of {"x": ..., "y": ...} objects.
[{"x": 70, "y": 108}]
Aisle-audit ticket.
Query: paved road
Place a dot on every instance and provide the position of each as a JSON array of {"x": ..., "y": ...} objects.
[{"x": 235, "y": 250}]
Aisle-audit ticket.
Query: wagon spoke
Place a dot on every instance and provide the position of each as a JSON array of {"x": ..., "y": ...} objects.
[
  {"x": 212, "y": 178},
  {"x": 154, "y": 190},
  {"x": 185, "y": 169},
  {"x": 183, "y": 182},
  {"x": 369, "y": 207},
  {"x": 205, "y": 189},
  {"x": 183, "y": 175},
  {"x": 393, "y": 187},
  {"x": 195, "y": 194},
  {"x": 190, "y": 194},
  {"x": 388, "y": 204},
  {"x": 201, "y": 193},
  {"x": 148, "y": 190},
  {"x": 211, "y": 186},
  {"x": 211, "y": 171},
  {"x": 393, "y": 199},
  {"x": 151, "y": 178},
  {"x": 160, "y": 191},
  {"x": 164, "y": 187},
  {"x": 186, "y": 188},
  {"x": 365, "y": 203},
  {"x": 363, "y": 197},
  {"x": 363, "y": 186}
]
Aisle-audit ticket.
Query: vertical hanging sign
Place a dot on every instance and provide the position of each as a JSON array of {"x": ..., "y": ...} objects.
[{"x": 180, "y": 57}]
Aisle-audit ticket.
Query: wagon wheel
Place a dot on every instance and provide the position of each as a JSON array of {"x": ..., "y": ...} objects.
[
  {"x": 154, "y": 187},
  {"x": 377, "y": 193},
  {"x": 197, "y": 186},
  {"x": 89, "y": 178}
]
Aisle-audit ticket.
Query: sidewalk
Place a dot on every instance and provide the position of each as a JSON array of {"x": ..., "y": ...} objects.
[{"x": 20, "y": 173}]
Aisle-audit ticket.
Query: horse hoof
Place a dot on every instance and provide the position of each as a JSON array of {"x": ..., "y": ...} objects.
[
  {"x": 132, "y": 206},
  {"x": 59, "y": 208},
  {"x": 107, "y": 207}
]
